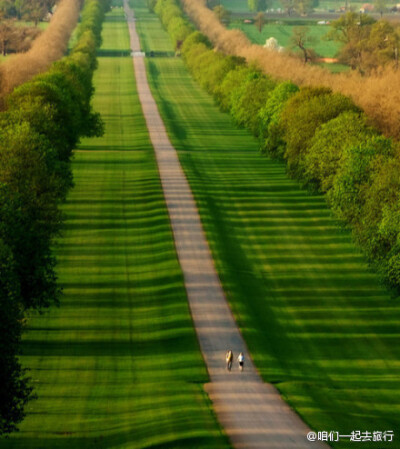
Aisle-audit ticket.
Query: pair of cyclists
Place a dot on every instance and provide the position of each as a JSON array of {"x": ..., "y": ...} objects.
[{"x": 229, "y": 360}]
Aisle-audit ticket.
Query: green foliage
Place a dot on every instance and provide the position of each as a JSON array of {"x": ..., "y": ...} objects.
[
  {"x": 257, "y": 5},
  {"x": 302, "y": 7},
  {"x": 44, "y": 121},
  {"x": 249, "y": 98},
  {"x": 351, "y": 185},
  {"x": 195, "y": 38},
  {"x": 179, "y": 29},
  {"x": 303, "y": 114},
  {"x": 151, "y": 4},
  {"x": 15, "y": 389},
  {"x": 222, "y": 14},
  {"x": 271, "y": 134},
  {"x": 29, "y": 216},
  {"x": 167, "y": 10},
  {"x": 328, "y": 146},
  {"x": 378, "y": 227},
  {"x": 213, "y": 68},
  {"x": 234, "y": 79},
  {"x": 366, "y": 44},
  {"x": 301, "y": 42}
]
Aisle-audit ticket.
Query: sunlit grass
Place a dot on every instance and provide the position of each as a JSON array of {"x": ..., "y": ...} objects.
[
  {"x": 318, "y": 323},
  {"x": 283, "y": 32},
  {"x": 118, "y": 364}
]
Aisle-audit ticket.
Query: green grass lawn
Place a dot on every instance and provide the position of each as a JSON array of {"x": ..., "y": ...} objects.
[
  {"x": 282, "y": 32},
  {"x": 118, "y": 364},
  {"x": 236, "y": 6},
  {"x": 317, "y": 322}
]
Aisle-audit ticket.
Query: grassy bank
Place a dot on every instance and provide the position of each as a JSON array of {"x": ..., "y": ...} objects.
[
  {"x": 118, "y": 364},
  {"x": 317, "y": 322}
]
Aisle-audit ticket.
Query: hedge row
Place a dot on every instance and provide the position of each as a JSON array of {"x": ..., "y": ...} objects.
[
  {"x": 325, "y": 140},
  {"x": 44, "y": 120}
]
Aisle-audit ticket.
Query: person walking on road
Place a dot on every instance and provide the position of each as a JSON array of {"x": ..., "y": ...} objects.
[
  {"x": 229, "y": 360},
  {"x": 241, "y": 361}
]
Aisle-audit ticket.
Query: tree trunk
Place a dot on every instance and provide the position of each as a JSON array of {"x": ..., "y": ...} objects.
[{"x": 304, "y": 52}]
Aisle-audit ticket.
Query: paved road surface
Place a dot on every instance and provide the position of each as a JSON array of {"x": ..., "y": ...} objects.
[{"x": 251, "y": 412}]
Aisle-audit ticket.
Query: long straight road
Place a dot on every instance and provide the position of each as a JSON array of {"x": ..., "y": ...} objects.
[{"x": 251, "y": 411}]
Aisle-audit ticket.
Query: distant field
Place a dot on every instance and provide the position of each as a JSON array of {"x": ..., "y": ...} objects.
[
  {"x": 117, "y": 365},
  {"x": 241, "y": 6},
  {"x": 283, "y": 31},
  {"x": 317, "y": 321}
]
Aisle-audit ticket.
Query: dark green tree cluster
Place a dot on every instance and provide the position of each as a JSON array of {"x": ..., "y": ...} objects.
[
  {"x": 326, "y": 141},
  {"x": 43, "y": 122}
]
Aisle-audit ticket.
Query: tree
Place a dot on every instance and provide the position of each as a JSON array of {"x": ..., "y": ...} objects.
[
  {"x": 213, "y": 3},
  {"x": 7, "y": 34},
  {"x": 35, "y": 10},
  {"x": 379, "y": 229},
  {"x": 29, "y": 214},
  {"x": 257, "y": 5},
  {"x": 249, "y": 98},
  {"x": 223, "y": 15},
  {"x": 302, "y": 7},
  {"x": 352, "y": 31},
  {"x": 380, "y": 6},
  {"x": 7, "y": 9},
  {"x": 289, "y": 6},
  {"x": 380, "y": 47},
  {"x": 260, "y": 21},
  {"x": 328, "y": 147},
  {"x": 350, "y": 188},
  {"x": 151, "y": 4},
  {"x": 226, "y": 91},
  {"x": 15, "y": 390},
  {"x": 366, "y": 44},
  {"x": 301, "y": 39},
  {"x": 304, "y": 113},
  {"x": 271, "y": 134}
]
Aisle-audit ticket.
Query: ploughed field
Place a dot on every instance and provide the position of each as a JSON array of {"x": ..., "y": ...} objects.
[
  {"x": 316, "y": 320},
  {"x": 117, "y": 365}
]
